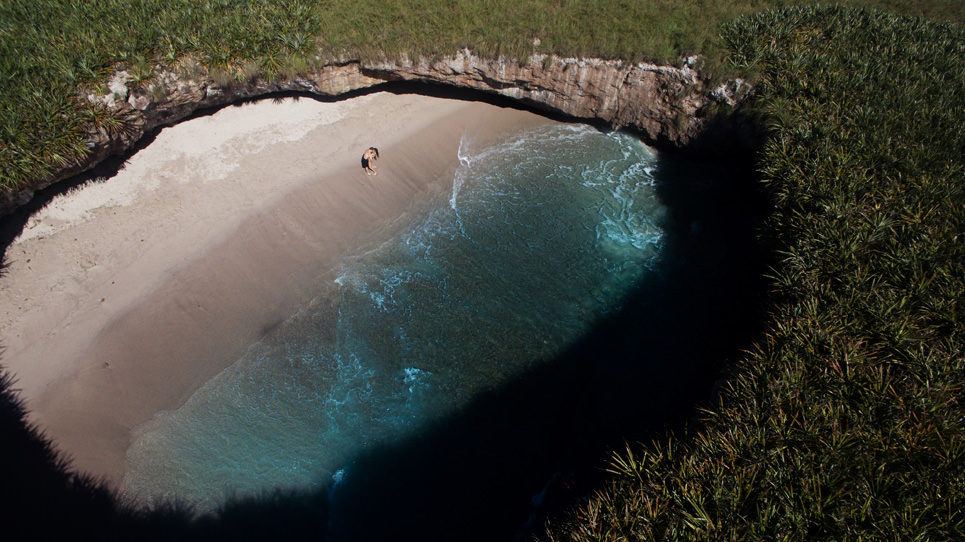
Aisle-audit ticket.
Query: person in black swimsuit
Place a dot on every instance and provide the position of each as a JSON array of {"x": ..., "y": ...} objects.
[{"x": 370, "y": 155}]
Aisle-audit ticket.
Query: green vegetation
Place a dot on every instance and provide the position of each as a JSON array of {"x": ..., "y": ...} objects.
[
  {"x": 50, "y": 49},
  {"x": 845, "y": 421}
]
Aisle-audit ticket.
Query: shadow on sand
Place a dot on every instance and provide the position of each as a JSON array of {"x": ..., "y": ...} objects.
[{"x": 497, "y": 468}]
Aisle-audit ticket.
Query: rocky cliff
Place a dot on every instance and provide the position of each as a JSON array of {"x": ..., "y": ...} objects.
[{"x": 666, "y": 105}]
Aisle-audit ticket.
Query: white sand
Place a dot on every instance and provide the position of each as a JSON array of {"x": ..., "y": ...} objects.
[
  {"x": 125, "y": 295},
  {"x": 200, "y": 151}
]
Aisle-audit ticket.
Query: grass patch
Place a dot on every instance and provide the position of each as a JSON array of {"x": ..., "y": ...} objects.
[
  {"x": 845, "y": 420},
  {"x": 51, "y": 48}
]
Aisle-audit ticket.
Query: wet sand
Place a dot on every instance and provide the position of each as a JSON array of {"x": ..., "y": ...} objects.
[{"x": 125, "y": 296}]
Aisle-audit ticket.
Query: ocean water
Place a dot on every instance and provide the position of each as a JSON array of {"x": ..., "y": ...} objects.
[{"x": 541, "y": 235}]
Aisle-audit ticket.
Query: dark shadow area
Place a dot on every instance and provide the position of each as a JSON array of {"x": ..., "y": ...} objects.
[
  {"x": 538, "y": 443},
  {"x": 497, "y": 468}
]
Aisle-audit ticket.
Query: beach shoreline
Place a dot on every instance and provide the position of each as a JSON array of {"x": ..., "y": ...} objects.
[{"x": 124, "y": 297}]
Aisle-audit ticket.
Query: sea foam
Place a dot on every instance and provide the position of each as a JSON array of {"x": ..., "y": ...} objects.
[{"x": 542, "y": 235}]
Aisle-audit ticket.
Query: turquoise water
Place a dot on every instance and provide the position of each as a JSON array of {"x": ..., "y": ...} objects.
[{"x": 540, "y": 236}]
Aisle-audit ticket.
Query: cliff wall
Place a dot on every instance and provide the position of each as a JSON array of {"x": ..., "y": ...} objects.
[{"x": 666, "y": 105}]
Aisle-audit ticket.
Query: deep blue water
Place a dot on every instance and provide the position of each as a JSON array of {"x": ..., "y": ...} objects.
[{"x": 541, "y": 236}]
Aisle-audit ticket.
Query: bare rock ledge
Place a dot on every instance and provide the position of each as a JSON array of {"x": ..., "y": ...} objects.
[{"x": 666, "y": 105}]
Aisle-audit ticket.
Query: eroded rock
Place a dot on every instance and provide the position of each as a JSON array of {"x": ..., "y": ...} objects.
[{"x": 662, "y": 103}]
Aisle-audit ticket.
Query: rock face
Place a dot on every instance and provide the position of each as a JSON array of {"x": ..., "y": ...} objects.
[
  {"x": 646, "y": 97},
  {"x": 665, "y": 104}
]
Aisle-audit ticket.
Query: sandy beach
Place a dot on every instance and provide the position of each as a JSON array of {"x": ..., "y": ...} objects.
[{"x": 123, "y": 296}]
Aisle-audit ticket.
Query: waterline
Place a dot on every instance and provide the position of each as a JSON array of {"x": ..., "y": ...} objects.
[{"x": 541, "y": 236}]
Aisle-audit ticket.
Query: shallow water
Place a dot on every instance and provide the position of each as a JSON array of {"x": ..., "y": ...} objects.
[{"x": 541, "y": 236}]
